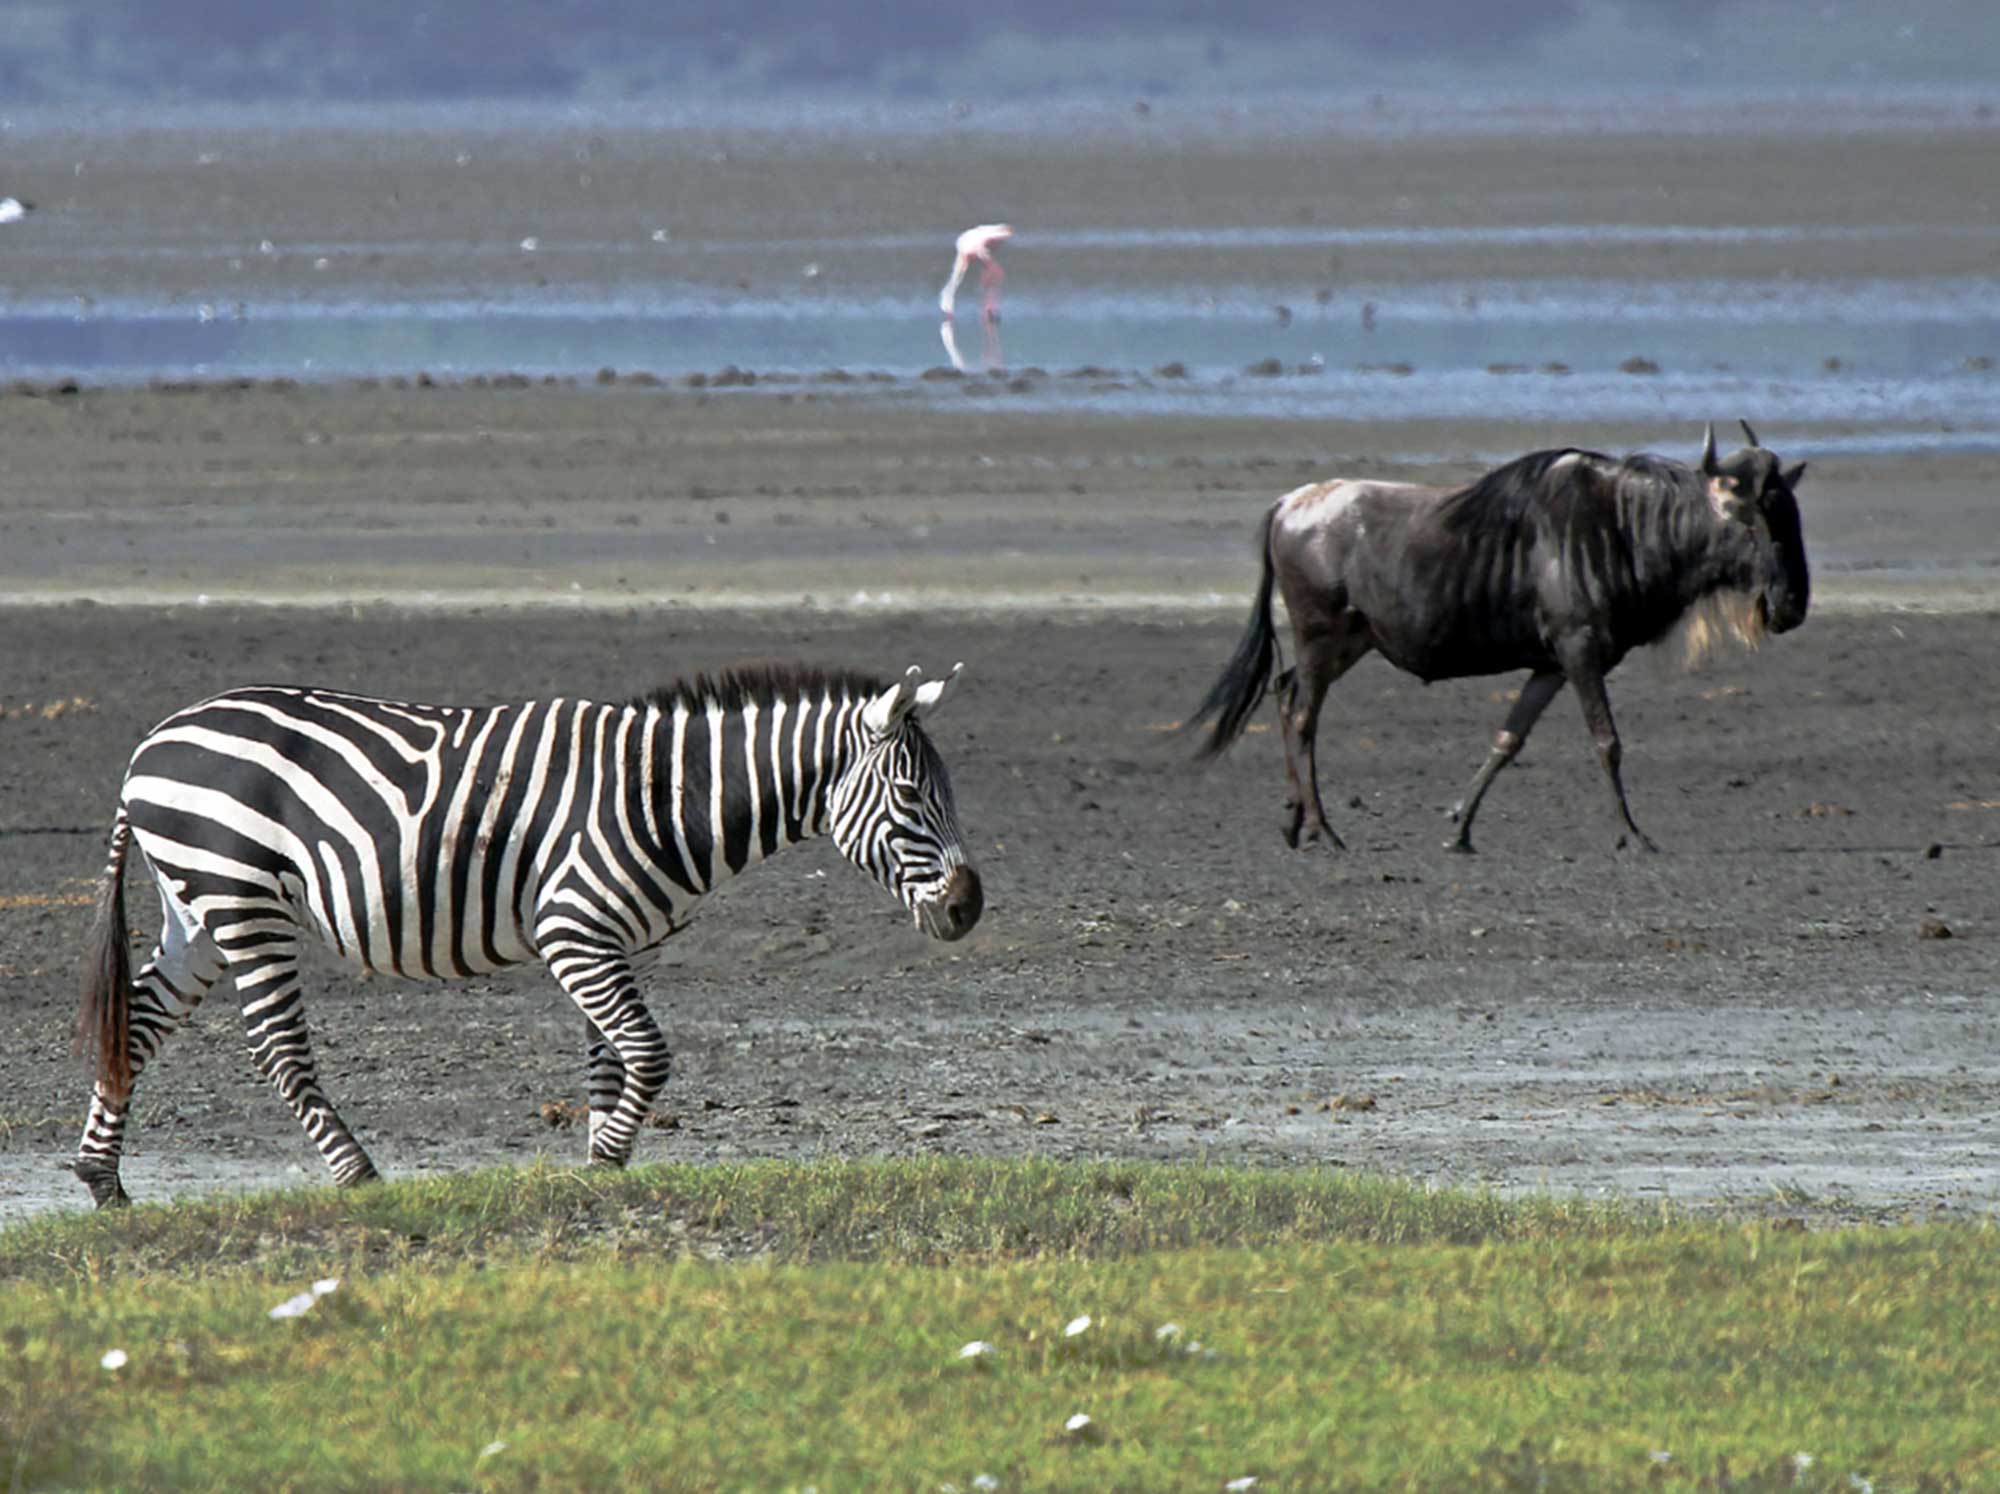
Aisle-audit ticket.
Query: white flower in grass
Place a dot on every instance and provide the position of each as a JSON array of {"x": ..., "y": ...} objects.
[
  {"x": 294, "y": 1307},
  {"x": 1660, "y": 1455},
  {"x": 1167, "y": 1333},
  {"x": 1239, "y": 1485},
  {"x": 114, "y": 1359},
  {"x": 1801, "y": 1461},
  {"x": 299, "y": 1306},
  {"x": 977, "y": 1350},
  {"x": 495, "y": 1446},
  {"x": 1856, "y": 1482},
  {"x": 985, "y": 1483},
  {"x": 1082, "y": 1429},
  {"x": 1076, "y": 1325}
]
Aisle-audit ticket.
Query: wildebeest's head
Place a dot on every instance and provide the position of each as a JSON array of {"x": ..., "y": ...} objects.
[{"x": 1748, "y": 488}]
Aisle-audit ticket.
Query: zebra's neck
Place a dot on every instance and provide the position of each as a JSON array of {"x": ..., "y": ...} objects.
[{"x": 727, "y": 786}]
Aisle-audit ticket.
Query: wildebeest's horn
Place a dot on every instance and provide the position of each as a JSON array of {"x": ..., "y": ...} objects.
[
  {"x": 1708, "y": 447},
  {"x": 1748, "y": 434}
]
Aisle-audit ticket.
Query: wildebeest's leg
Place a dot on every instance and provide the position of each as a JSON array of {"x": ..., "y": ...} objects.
[
  {"x": 165, "y": 992},
  {"x": 1534, "y": 699},
  {"x": 600, "y": 982},
  {"x": 1326, "y": 652},
  {"x": 274, "y": 1022},
  {"x": 1287, "y": 697},
  {"x": 1597, "y": 716}
]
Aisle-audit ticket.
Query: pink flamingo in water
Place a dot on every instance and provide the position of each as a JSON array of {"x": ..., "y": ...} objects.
[{"x": 977, "y": 244}]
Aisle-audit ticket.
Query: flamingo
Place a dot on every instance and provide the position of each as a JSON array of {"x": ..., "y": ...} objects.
[{"x": 977, "y": 243}]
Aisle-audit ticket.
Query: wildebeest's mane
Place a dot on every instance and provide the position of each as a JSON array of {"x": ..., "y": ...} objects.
[
  {"x": 1500, "y": 498},
  {"x": 761, "y": 683},
  {"x": 1642, "y": 474},
  {"x": 1503, "y": 497}
]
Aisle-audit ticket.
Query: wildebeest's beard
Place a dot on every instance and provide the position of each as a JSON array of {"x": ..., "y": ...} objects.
[{"x": 1718, "y": 618}]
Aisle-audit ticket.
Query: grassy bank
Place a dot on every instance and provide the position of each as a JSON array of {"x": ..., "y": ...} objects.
[{"x": 782, "y": 1326}]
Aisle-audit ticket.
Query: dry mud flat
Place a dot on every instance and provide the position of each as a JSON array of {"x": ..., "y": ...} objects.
[{"x": 1762, "y": 1013}]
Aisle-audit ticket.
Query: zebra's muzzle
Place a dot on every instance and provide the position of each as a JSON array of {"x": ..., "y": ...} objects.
[{"x": 954, "y": 911}]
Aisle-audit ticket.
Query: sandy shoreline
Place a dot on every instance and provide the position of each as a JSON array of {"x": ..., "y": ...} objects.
[
  {"x": 609, "y": 499},
  {"x": 184, "y": 212},
  {"x": 1916, "y": 597}
]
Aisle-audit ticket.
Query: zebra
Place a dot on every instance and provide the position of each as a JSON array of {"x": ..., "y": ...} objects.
[{"x": 439, "y": 841}]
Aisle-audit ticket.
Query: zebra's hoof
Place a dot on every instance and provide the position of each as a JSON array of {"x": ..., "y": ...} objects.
[{"x": 106, "y": 1191}]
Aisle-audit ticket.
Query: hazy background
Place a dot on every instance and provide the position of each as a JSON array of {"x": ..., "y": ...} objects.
[{"x": 209, "y": 51}]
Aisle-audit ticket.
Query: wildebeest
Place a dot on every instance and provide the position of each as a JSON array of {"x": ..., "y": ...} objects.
[{"x": 1560, "y": 562}]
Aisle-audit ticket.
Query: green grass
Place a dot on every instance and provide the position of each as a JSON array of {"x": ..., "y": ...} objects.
[{"x": 778, "y": 1326}]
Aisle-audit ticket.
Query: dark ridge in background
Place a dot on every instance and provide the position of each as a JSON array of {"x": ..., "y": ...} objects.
[{"x": 241, "y": 51}]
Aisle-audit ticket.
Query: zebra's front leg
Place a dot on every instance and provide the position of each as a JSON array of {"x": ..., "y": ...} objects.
[
  {"x": 274, "y": 1023},
  {"x": 627, "y": 1044},
  {"x": 605, "y": 1083}
]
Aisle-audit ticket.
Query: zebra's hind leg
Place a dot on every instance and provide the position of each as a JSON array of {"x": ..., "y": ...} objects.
[
  {"x": 165, "y": 992},
  {"x": 600, "y": 982},
  {"x": 266, "y": 966}
]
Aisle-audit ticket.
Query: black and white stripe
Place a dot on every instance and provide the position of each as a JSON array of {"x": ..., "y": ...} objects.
[{"x": 439, "y": 841}]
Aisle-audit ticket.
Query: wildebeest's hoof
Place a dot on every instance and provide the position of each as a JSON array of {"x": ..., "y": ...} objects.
[{"x": 1460, "y": 845}]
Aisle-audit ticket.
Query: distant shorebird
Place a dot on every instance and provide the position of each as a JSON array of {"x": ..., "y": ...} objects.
[
  {"x": 13, "y": 210},
  {"x": 977, "y": 244}
]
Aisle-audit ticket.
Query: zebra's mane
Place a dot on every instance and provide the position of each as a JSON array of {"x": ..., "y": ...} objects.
[{"x": 761, "y": 683}]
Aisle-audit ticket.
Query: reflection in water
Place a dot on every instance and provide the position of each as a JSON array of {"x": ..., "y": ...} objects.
[
  {"x": 1565, "y": 351},
  {"x": 990, "y": 356}
]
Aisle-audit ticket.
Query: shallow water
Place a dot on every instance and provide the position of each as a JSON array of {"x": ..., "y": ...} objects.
[{"x": 1881, "y": 352}]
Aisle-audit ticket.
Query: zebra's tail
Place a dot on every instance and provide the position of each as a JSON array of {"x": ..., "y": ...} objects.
[
  {"x": 104, "y": 1017},
  {"x": 1247, "y": 675}
]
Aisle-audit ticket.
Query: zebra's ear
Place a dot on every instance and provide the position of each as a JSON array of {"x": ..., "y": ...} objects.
[
  {"x": 882, "y": 714},
  {"x": 929, "y": 695}
]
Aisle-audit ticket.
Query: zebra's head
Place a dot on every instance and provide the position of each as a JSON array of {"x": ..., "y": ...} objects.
[{"x": 892, "y": 812}]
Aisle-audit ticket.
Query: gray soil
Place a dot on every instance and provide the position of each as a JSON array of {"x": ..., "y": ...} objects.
[{"x": 1761, "y": 1013}]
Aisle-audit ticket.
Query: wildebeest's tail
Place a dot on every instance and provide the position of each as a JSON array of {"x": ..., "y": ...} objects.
[
  {"x": 104, "y": 1018},
  {"x": 1247, "y": 675}
]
